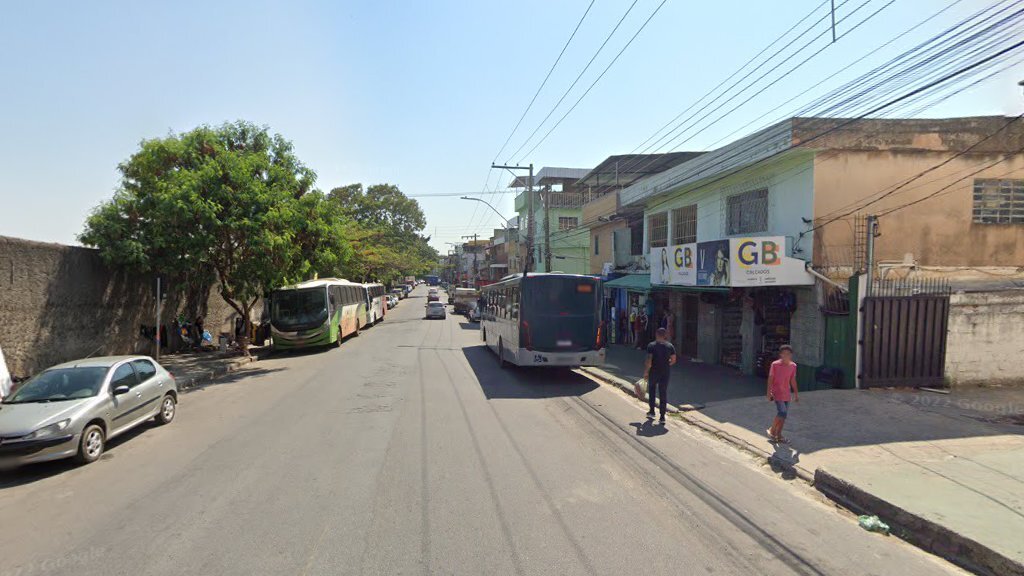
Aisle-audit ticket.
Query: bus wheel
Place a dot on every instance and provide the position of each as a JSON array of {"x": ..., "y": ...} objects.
[
  {"x": 356, "y": 334},
  {"x": 501, "y": 355},
  {"x": 340, "y": 337},
  {"x": 483, "y": 335}
]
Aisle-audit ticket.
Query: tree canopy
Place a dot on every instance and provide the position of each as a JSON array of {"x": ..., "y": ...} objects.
[{"x": 231, "y": 202}]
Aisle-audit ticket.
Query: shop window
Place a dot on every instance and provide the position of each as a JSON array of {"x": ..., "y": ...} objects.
[
  {"x": 568, "y": 222},
  {"x": 998, "y": 201},
  {"x": 657, "y": 230},
  {"x": 684, "y": 225},
  {"x": 747, "y": 213}
]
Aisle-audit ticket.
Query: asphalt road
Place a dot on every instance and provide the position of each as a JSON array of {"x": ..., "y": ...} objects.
[{"x": 407, "y": 451}]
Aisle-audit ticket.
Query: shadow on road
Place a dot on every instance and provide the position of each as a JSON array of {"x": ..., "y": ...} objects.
[
  {"x": 43, "y": 470},
  {"x": 231, "y": 378},
  {"x": 514, "y": 382},
  {"x": 469, "y": 326},
  {"x": 649, "y": 429}
]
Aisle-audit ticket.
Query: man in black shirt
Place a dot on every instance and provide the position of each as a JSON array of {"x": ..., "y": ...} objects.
[{"x": 661, "y": 355}]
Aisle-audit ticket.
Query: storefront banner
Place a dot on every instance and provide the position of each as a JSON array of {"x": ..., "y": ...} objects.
[
  {"x": 762, "y": 261},
  {"x": 731, "y": 262},
  {"x": 675, "y": 265},
  {"x": 713, "y": 263}
]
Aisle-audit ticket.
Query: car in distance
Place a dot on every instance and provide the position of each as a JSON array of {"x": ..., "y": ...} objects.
[
  {"x": 433, "y": 296},
  {"x": 436, "y": 310},
  {"x": 71, "y": 410}
]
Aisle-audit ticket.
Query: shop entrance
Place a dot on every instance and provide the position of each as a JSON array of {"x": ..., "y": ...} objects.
[
  {"x": 688, "y": 326},
  {"x": 732, "y": 337}
]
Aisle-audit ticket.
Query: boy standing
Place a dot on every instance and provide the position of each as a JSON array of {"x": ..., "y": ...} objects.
[
  {"x": 781, "y": 383},
  {"x": 661, "y": 355}
]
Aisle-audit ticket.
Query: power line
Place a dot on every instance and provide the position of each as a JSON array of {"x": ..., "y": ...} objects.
[
  {"x": 545, "y": 81},
  {"x": 573, "y": 85},
  {"x": 596, "y": 80}
]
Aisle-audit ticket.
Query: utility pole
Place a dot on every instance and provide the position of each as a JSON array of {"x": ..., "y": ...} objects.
[
  {"x": 547, "y": 229},
  {"x": 159, "y": 297},
  {"x": 531, "y": 226},
  {"x": 475, "y": 273},
  {"x": 872, "y": 232}
]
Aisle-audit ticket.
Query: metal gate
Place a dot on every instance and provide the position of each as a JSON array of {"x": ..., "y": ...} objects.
[{"x": 905, "y": 335}]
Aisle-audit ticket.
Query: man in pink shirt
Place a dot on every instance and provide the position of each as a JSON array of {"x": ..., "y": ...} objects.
[{"x": 781, "y": 383}]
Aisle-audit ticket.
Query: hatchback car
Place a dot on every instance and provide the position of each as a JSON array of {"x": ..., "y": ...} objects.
[
  {"x": 73, "y": 409},
  {"x": 436, "y": 310}
]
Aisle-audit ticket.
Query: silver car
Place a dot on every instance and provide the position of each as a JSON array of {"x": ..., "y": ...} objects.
[
  {"x": 73, "y": 409},
  {"x": 436, "y": 310}
]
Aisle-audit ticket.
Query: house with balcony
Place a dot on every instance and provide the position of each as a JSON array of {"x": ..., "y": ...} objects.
[
  {"x": 749, "y": 244},
  {"x": 558, "y": 244}
]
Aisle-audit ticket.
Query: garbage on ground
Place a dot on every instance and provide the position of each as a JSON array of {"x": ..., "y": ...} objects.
[{"x": 873, "y": 524}]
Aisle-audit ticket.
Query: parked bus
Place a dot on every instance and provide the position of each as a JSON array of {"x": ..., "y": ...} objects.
[
  {"x": 544, "y": 320},
  {"x": 316, "y": 313},
  {"x": 376, "y": 306}
]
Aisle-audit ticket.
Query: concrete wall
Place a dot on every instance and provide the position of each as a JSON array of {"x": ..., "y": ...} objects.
[
  {"x": 938, "y": 231},
  {"x": 605, "y": 233},
  {"x": 807, "y": 328},
  {"x": 58, "y": 303},
  {"x": 985, "y": 341}
]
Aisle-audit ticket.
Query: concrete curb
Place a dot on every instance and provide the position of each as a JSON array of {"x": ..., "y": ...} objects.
[{"x": 921, "y": 532}]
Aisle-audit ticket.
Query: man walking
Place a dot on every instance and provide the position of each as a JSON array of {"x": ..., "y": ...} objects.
[{"x": 661, "y": 355}]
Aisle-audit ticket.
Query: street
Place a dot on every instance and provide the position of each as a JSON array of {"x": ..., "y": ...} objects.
[{"x": 408, "y": 451}]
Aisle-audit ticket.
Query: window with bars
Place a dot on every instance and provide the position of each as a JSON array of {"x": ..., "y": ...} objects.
[
  {"x": 747, "y": 213},
  {"x": 998, "y": 201},
  {"x": 597, "y": 244},
  {"x": 657, "y": 230},
  {"x": 684, "y": 225},
  {"x": 568, "y": 222}
]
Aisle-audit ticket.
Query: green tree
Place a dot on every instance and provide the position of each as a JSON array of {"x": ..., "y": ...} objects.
[
  {"x": 232, "y": 202},
  {"x": 385, "y": 227}
]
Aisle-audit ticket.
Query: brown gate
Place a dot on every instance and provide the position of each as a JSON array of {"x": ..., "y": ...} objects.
[{"x": 905, "y": 335}]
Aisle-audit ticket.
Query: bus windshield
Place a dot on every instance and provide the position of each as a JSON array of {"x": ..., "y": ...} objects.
[
  {"x": 293, "y": 310},
  {"x": 562, "y": 313}
]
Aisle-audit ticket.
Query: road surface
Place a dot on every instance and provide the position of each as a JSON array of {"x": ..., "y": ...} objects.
[{"x": 408, "y": 451}]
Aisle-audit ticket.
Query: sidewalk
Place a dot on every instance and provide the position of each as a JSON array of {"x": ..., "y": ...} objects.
[
  {"x": 945, "y": 471},
  {"x": 692, "y": 382},
  {"x": 194, "y": 368}
]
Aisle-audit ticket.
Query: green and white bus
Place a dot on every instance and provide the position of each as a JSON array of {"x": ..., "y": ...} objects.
[{"x": 316, "y": 313}]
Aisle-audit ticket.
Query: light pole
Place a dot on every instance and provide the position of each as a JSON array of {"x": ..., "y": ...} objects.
[
  {"x": 530, "y": 227},
  {"x": 488, "y": 204}
]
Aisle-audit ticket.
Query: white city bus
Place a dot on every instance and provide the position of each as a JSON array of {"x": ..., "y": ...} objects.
[
  {"x": 544, "y": 320},
  {"x": 376, "y": 306},
  {"x": 316, "y": 313}
]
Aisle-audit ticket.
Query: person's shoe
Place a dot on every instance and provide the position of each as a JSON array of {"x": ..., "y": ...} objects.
[
  {"x": 660, "y": 420},
  {"x": 650, "y": 415}
]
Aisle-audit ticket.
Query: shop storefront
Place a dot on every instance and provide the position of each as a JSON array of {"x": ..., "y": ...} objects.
[
  {"x": 628, "y": 307},
  {"x": 730, "y": 301}
]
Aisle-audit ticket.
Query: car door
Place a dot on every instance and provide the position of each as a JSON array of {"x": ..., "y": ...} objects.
[
  {"x": 125, "y": 405},
  {"x": 151, "y": 386}
]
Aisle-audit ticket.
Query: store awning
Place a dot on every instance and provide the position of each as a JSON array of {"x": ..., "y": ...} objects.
[{"x": 631, "y": 283}]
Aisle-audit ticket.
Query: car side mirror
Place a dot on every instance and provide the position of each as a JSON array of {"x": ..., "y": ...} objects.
[{"x": 121, "y": 390}]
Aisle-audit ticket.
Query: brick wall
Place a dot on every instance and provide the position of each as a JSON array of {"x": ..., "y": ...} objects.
[
  {"x": 985, "y": 340},
  {"x": 59, "y": 303}
]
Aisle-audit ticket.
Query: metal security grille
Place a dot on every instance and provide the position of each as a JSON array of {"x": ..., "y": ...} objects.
[
  {"x": 905, "y": 325},
  {"x": 998, "y": 201},
  {"x": 657, "y": 230},
  {"x": 684, "y": 225},
  {"x": 568, "y": 222},
  {"x": 747, "y": 213}
]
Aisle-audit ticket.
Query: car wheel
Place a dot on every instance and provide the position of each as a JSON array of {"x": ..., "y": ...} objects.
[
  {"x": 501, "y": 355},
  {"x": 91, "y": 445},
  {"x": 168, "y": 408}
]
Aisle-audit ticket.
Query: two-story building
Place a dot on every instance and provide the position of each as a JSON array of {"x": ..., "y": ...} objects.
[
  {"x": 556, "y": 213},
  {"x": 744, "y": 241}
]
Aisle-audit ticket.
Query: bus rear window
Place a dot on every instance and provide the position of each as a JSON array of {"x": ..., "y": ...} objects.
[{"x": 561, "y": 296}]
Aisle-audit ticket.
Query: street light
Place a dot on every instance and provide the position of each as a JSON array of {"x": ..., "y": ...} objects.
[{"x": 507, "y": 224}]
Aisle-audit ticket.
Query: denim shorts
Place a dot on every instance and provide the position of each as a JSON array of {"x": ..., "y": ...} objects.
[{"x": 782, "y": 408}]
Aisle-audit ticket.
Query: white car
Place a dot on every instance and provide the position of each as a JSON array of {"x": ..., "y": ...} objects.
[{"x": 436, "y": 310}]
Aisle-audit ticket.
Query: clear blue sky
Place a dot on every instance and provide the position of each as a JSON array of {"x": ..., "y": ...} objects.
[{"x": 420, "y": 94}]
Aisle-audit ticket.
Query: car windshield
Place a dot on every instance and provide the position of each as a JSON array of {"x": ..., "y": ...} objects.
[
  {"x": 59, "y": 384},
  {"x": 436, "y": 305},
  {"x": 296, "y": 309}
]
